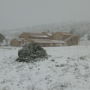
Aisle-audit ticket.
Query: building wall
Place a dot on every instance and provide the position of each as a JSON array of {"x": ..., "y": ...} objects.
[
  {"x": 26, "y": 36},
  {"x": 51, "y": 44},
  {"x": 57, "y": 36},
  {"x": 60, "y": 36},
  {"x": 15, "y": 43},
  {"x": 73, "y": 41},
  {"x": 65, "y": 37}
]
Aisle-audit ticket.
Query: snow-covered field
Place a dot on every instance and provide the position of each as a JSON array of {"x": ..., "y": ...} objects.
[
  {"x": 85, "y": 43},
  {"x": 67, "y": 68}
]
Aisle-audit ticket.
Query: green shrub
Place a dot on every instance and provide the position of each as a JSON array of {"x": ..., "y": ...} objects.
[
  {"x": 31, "y": 52},
  {"x": 1, "y": 37}
]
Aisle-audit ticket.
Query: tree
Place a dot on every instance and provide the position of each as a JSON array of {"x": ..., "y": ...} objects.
[
  {"x": 1, "y": 38},
  {"x": 88, "y": 37},
  {"x": 72, "y": 31},
  {"x": 31, "y": 52}
]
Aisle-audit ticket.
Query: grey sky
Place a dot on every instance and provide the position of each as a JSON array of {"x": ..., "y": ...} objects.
[{"x": 23, "y": 13}]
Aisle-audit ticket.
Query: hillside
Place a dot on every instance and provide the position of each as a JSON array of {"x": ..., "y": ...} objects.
[
  {"x": 80, "y": 28},
  {"x": 68, "y": 68}
]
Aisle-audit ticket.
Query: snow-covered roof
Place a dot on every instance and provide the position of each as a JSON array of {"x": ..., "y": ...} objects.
[
  {"x": 70, "y": 37},
  {"x": 49, "y": 34},
  {"x": 39, "y": 36},
  {"x": 64, "y": 33},
  {"x": 36, "y": 35},
  {"x": 47, "y": 41}
]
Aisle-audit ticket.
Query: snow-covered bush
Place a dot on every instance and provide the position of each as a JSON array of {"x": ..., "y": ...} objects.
[
  {"x": 2, "y": 37},
  {"x": 88, "y": 37},
  {"x": 31, "y": 52}
]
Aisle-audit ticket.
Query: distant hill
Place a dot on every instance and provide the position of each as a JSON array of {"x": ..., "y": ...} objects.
[{"x": 80, "y": 28}]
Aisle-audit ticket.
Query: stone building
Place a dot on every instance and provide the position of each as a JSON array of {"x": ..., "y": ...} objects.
[
  {"x": 17, "y": 42},
  {"x": 46, "y": 39},
  {"x": 72, "y": 40}
]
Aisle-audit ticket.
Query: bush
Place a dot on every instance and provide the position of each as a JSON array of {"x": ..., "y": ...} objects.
[
  {"x": 31, "y": 52},
  {"x": 88, "y": 37},
  {"x": 1, "y": 37}
]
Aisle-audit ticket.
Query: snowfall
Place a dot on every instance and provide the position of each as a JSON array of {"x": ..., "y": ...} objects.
[{"x": 67, "y": 68}]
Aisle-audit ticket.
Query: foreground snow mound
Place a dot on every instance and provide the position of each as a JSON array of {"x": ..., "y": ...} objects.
[{"x": 68, "y": 68}]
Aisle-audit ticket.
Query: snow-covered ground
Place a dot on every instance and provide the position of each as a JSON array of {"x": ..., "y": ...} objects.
[
  {"x": 67, "y": 68},
  {"x": 84, "y": 43}
]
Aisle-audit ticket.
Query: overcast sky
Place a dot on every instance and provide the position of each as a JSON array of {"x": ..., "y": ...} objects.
[{"x": 23, "y": 13}]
